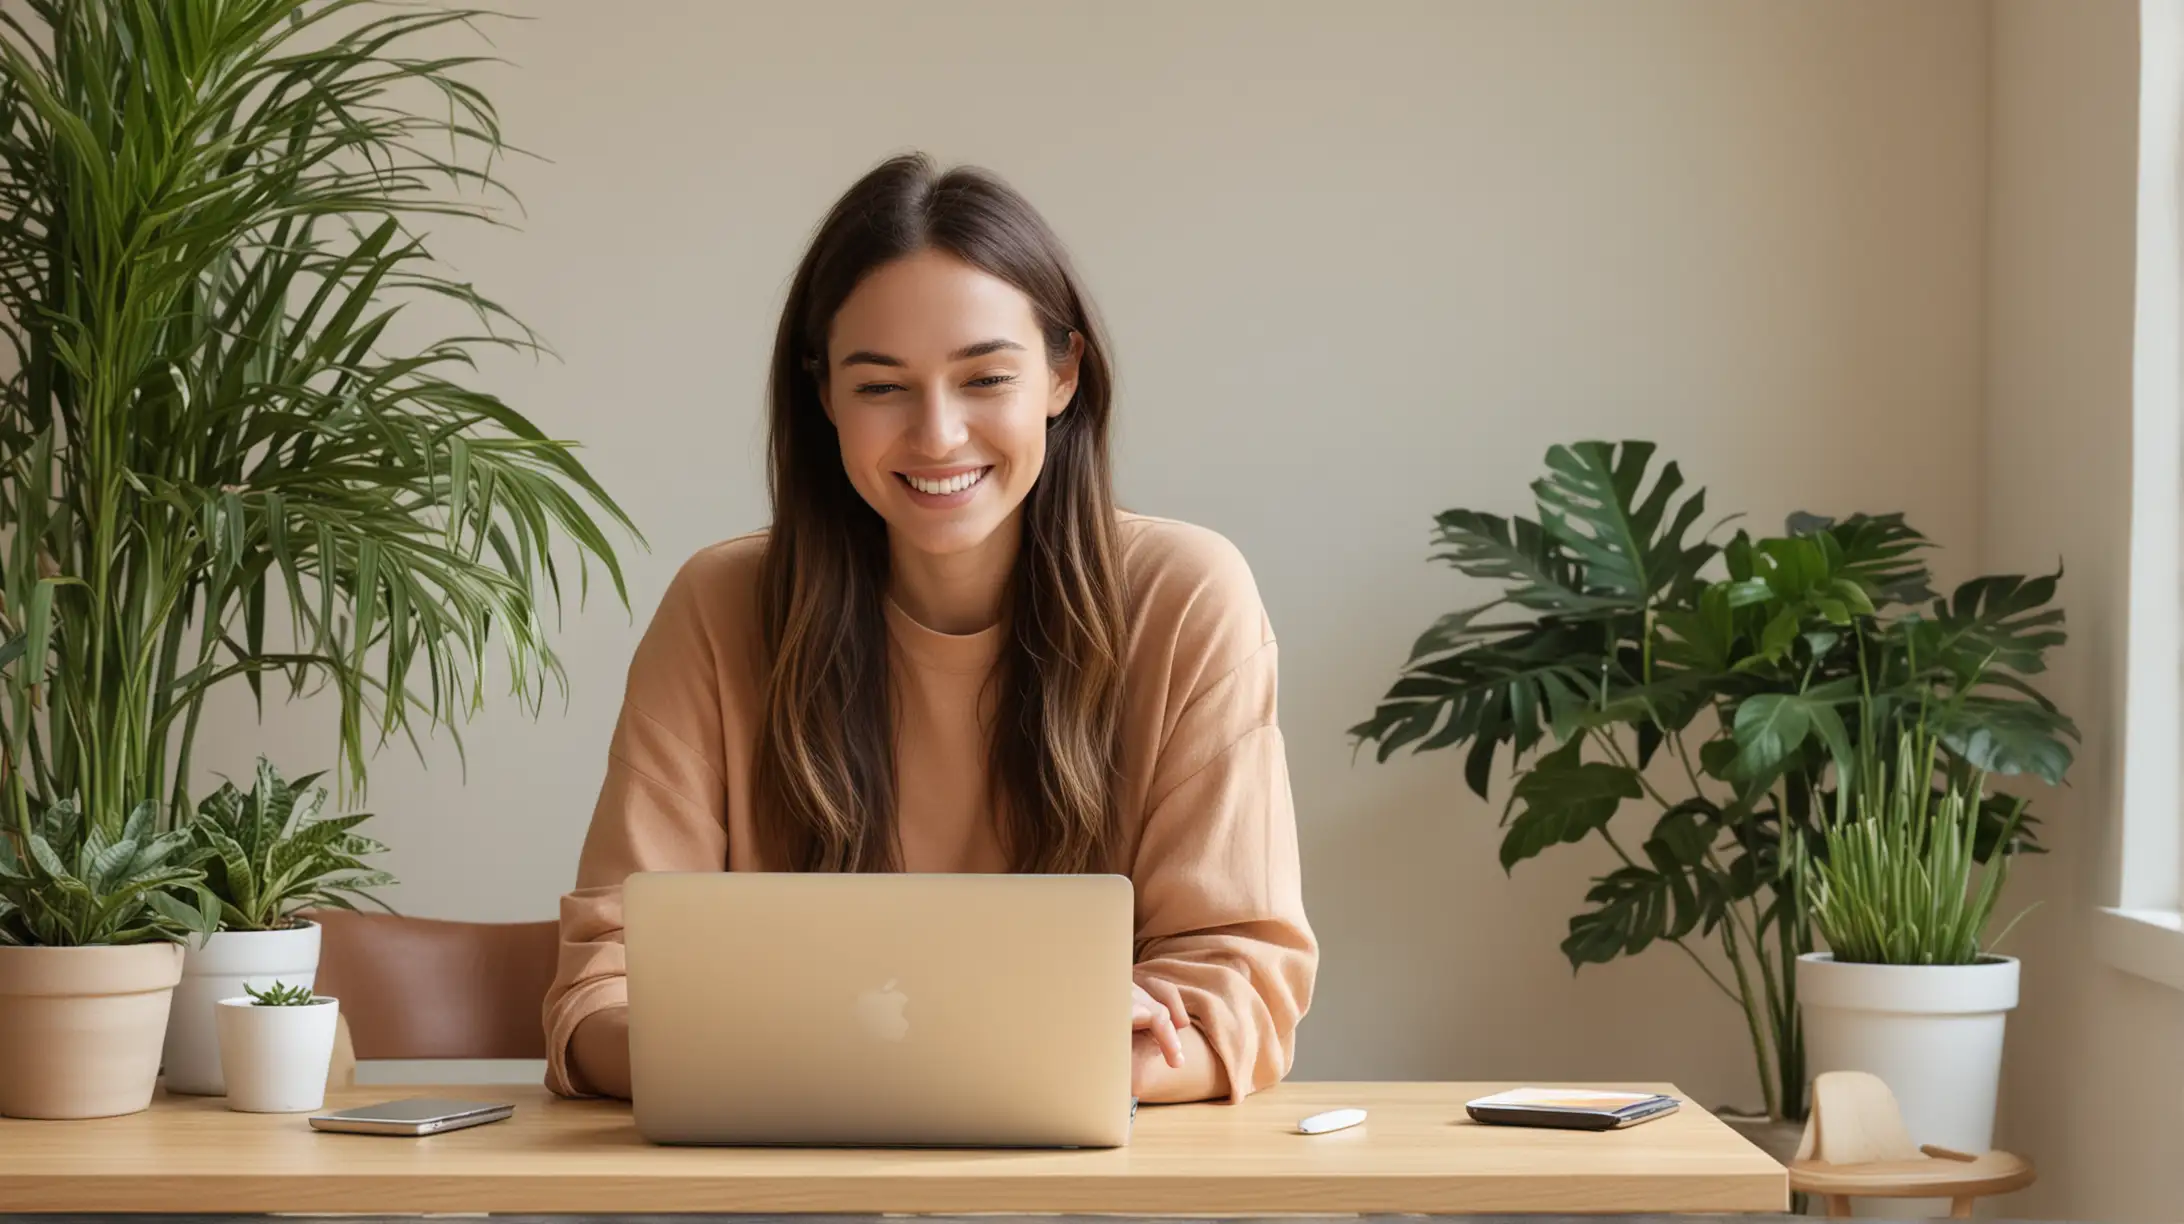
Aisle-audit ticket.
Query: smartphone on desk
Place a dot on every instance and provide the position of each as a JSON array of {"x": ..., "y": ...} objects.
[
  {"x": 415, "y": 1116},
  {"x": 1570, "y": 1108}
]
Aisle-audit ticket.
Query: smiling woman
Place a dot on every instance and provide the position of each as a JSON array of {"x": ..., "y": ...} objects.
[{"x": 951, "y": 653}]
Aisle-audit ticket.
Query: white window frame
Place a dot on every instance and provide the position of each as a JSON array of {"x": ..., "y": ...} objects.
[{"x": 2144, "y": 931}]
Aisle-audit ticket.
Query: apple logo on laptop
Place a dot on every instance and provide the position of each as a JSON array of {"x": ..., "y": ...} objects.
[{"x": 881, "y": 1012}]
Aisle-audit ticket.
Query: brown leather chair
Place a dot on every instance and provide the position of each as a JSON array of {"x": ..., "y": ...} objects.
[{"x": 425, "y": 988}]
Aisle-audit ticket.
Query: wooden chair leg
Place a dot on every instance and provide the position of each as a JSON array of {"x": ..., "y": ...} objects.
[
  {"x": 1960, "y": 1208},
  {"x": 1838, "y": 1206}
]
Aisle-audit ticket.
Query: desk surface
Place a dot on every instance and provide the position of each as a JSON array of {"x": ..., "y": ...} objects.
[{"x": 1416, "y": 1153}]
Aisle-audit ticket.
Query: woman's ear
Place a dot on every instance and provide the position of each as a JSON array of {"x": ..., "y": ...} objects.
[{"x": 1065, "y": 376}]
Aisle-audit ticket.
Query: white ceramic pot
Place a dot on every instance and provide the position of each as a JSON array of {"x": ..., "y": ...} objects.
[
  {"x": 276, "y": 1058},
  {"x": 1932, "y": 1033},
  {"x": 79, "y": 1028},
  {"x": 223, "y": 967}
]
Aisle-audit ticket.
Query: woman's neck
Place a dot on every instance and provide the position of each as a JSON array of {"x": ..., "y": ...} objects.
[{"x": 958, "y": 592}]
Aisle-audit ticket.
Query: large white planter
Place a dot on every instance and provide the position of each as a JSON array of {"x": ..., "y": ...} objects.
[
  {"x": 222, "y": 968},
  {"x": 1933, "y": 1033},
  {"x": 276, "y": 1058}
]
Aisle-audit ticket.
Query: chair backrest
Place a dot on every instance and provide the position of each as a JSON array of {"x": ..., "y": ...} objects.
[
  {"x": 1854, "y": 1120},
  {"x": 424, "y": 988}
]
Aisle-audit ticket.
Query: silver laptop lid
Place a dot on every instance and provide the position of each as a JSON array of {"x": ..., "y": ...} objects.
[{"x": 951, "y": 1010}]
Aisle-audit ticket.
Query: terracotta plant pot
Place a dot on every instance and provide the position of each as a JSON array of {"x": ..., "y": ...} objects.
[{"x": 80, "y": 1028}]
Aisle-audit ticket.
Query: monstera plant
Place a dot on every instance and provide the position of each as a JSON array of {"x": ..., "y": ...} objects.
[{"x": 1629, "y": 663}]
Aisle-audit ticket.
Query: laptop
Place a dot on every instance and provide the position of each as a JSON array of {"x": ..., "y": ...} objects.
[{"x": 880, "y": 1010}]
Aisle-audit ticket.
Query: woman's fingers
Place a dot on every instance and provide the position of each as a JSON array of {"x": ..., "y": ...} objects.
[
  {"x": 1171, "y": 995},
  {"x": 1154, "y": 1015},
  {"x": 1171, "y": 1044}
]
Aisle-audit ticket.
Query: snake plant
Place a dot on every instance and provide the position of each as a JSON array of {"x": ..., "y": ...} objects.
[
  {"x": 65, "y": 883},
  {"x": 268, "y": 853}
]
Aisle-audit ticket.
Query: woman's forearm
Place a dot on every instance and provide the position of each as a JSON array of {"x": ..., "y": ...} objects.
[
  {"x": 1200, "y": 1078},
  {"x": 599, "y": 1053}
]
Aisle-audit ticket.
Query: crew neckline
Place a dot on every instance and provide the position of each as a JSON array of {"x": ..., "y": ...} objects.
[{"x": 950, "y": 652}]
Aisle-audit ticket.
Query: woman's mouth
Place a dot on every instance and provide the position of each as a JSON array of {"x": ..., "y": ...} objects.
[{"x": 944, "y": 490}]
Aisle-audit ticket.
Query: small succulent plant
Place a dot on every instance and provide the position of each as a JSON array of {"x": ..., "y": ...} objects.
[{"x": 279, "y": 995}]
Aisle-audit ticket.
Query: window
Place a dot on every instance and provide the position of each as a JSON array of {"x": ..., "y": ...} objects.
[{"x": 2143, "y": 931}]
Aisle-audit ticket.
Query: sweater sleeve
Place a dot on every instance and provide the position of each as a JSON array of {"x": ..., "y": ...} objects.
[
  {"x": 1220, "y": 903},
  {"x": 663, "y": 807}
]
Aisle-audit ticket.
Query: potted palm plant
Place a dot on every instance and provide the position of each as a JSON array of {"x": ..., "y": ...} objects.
[
  {"x": 231, "y": 444},
  {"x": 1626, "y": 663},
  {"x": 90, "y": 931},
  {"x": 267, "y": 856},
  {"x": 278, "y": 1043},
  {"x": 1909, "y": 988}
]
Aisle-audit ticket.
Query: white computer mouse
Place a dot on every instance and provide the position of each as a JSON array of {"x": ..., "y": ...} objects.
[{"x": 1332, "y": 1120}]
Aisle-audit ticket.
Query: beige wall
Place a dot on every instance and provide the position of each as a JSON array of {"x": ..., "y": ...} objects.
[
  {"x": 2094, "y": 1086},
  {"x": 1362, "y": 262}
]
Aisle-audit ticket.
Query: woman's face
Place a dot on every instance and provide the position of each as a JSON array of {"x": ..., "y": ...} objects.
[{"x": 939, "y": 388}]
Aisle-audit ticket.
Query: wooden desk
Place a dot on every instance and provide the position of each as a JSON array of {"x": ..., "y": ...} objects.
[{"x": 1416, "y": 1153}]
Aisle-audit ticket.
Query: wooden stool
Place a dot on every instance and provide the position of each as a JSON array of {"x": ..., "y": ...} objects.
[{"x": 1855, "y": 1146}]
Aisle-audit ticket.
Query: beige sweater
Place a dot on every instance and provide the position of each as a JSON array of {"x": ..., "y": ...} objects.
[{"x": 1209, "y": 835}]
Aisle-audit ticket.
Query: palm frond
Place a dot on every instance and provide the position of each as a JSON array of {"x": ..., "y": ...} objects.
[{"x": 236, "y": 401}]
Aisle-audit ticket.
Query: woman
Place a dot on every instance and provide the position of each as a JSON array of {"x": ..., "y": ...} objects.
[{"x": 951, "y": 653}]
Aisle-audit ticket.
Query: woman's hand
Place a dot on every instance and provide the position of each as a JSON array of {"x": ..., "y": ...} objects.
[
  {"x": 1169, "y": 1057},
  {"x": 1158, "y": 1013}
]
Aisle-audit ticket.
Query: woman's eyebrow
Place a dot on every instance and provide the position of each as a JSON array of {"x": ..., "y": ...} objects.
[
  {"x": 968, "y": 351},
  {"x": 984, "y": 347}
]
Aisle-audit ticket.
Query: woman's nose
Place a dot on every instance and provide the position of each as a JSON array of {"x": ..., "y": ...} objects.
[{"x": 941, "y": 426}]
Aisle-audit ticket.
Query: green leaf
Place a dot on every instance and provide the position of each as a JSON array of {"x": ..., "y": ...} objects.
[
  {"x": 237, "y": 882},
  {"x": 1880, "y": 554},
  {"x": 1631, "y": 909},
  {"x": 49, "y": 862},
  {"x": 1510, "y": 691},
  {"x": 2002, "y": 621},
  {"x": 1771, "y": 727},
  {"x": 138, "y": 828},
  {"x": 1562, "y": 799},
  {"x": 1452, "y": 631},
  {"x": 1594, "y": 502},
  {"x": 1780, "y": 634},
  {"x": 182, "y": 915},
  {"x": 1686, "y": 831},
  {"x": 110, "y": 864},
  {"x": 1518, "y": 554},
  {"x": 1718, "y": 759},
  {"x": 1702, "y": 639},
  {"x": 2007, "y": 737}
]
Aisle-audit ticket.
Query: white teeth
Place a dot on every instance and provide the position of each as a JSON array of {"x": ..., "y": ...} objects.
[{"x": 953, "y": 484}]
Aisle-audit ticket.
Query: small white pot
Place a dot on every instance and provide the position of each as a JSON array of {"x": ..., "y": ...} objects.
[
  {"x": 1932, "y": 1033},
  {"x": 276, "y": 1058},
  {"x": 223, "y": 967}
]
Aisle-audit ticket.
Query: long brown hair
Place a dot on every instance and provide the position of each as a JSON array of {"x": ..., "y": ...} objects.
[{"x": 825, "y": 770}]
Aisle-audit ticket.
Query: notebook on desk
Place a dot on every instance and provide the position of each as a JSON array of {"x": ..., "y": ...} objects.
[{"x": 880, "y": 1010}]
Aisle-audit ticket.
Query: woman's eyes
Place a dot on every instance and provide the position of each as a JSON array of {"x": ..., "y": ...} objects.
[{"x": 983, "y": 382}]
